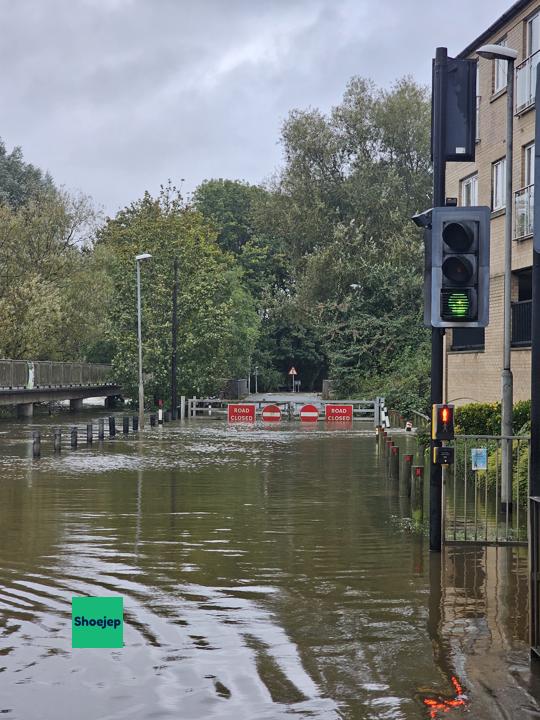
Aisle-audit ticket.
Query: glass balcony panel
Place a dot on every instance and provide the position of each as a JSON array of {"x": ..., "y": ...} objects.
[
  {"x": 526, "y": 82},
  {"x": 524, "y": 212}
]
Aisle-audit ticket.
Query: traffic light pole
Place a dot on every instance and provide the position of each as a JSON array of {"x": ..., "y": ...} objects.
[{"x": 437, "y": 357}]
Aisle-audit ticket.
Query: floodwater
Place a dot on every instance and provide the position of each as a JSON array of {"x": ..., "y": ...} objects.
[{"x": 266, "y": 573}]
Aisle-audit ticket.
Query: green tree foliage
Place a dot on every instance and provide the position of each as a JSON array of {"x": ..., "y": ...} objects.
[
  {"x": 342, "y": 208},
  {"x": 20, "y": 182},
  {"x": 217, "y": 323},
  {"x": 51, "y": 290}
]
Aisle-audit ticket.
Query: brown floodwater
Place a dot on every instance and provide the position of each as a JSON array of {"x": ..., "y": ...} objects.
[{"x": 266, "y": 573}]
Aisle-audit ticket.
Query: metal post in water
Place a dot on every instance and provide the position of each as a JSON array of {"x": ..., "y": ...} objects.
[
  {"x": 112, "y": 426},
  {"x": 405, "y": 477},
  {"x": 417, "y": 494},
  {"x": 125, "y": 425},
  {"x": 57, "y": 440},
  {"x": 101, "y": 429},
  {"x": 74, "y": 438},
  {"x": 36, "y": 443},
  {"x": 135, "y": 423},
  {"x": 394, "y": 463},
  {"x": 89, "y": 433}
]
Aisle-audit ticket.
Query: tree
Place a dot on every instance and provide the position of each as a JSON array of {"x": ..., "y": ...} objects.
[
  {"x": 216, "y": 321},
  {"x": 20, "y": 182}
]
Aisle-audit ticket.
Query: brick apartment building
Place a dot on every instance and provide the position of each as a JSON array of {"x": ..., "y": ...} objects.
[{"x": 474, "y": 357}]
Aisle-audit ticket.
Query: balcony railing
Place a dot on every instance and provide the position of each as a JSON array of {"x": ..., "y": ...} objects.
[
  {"x": 521, "y": 323},
  {"x": 526, "y": 82},
  {"x": 524, "y": 212}
]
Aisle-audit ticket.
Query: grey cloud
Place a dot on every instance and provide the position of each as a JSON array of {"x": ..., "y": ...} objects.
[{"x": 115, "y": 96}]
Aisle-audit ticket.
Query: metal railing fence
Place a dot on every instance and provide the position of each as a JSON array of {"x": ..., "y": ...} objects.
[
  {"x": 472, "y": 507},
  {"x": 28, "y": 374}
]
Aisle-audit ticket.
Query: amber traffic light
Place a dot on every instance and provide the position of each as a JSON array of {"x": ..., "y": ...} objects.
[{"x": 442, "y": 422}]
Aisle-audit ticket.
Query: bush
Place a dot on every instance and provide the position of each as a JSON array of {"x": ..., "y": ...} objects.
[{"x": 485, "y": 418}]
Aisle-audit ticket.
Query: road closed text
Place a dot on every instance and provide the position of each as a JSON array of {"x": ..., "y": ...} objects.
[{"x": 339, "y": 413}]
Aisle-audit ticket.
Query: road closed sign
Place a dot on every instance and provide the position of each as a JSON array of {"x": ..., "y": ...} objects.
[
  {"x": 241, "y": 412},
  {"x": 338, "y": 413}
]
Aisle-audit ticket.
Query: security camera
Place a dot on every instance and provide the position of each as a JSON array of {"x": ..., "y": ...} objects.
[{"x": 422, "y": 220}]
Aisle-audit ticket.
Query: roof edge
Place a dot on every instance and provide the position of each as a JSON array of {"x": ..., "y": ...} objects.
[{"x": 502, "y": 20}]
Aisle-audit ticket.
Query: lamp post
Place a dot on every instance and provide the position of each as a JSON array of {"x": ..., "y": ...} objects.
[
  {"x": 138, "y": 258},
  {"x": 499, "y": 52}
]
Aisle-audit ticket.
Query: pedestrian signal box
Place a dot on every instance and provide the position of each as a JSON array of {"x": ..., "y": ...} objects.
[{"x": 442, "y": 422}]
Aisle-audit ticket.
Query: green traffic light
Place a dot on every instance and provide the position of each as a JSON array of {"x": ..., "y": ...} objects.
[{"x": 458, "y": 304}]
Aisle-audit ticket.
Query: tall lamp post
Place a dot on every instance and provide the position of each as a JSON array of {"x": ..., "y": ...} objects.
[
  {"x": 499, "y": 52},
  {"x": 138, "y": 259}
]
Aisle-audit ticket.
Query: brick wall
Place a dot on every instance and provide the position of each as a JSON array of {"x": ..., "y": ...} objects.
[{"x": 475, "y": 376}]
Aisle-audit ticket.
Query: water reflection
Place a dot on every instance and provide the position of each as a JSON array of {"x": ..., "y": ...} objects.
[{"x": 262, "y": 576}]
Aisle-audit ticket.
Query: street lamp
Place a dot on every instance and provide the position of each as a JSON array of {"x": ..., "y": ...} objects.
[
  {"x": 138, "y": 259},
  {"x": 499, "y": 52}
]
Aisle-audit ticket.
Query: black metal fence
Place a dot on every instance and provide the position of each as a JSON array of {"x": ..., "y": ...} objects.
[{"x": 521, "y": 323}]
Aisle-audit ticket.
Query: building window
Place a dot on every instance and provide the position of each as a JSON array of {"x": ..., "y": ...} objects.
[
  {"x": 524, "y": 198},
  {"x": 500, "y": 71},
  {"x": 478, "y": 98},
  {"x": 469, "y": 191},
  {"x": 528, "y": 165},
  {"x": 499, "y": 185},
  {"x": 468, "y": 339},
  {"x": 533, "y": 34}
]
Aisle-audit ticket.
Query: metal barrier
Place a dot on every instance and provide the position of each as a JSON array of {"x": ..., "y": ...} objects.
[
  {"x": 472, "y": 506},
  {"x": 368, "y": 410},
  {"x": 28, "y": 374}
]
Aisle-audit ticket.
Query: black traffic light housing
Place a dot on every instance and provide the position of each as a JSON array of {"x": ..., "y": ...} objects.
[
  {"x": 459, "y": 267},
  {"x": 442, "y": 422}
]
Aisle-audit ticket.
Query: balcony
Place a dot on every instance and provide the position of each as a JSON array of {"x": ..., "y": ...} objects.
[
  {"x": 523, "y": 212},
  {"x": 521, "y": 323},
  {"x": 526, "y": 82}
]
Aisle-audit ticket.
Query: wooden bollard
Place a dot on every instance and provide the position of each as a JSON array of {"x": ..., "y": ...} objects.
[
  {"x": 417, "y": 493},
  {"x": 89, "y": 434},
  {"x": 152, "y": 420},
  {"x": 57, "y": 440},
  {"x": 167, "y": 416},
  {"x": 125, "y": 425},
  {"x": 112, "y": 426},
  {"x": 135, "y": 423},
  {"x": 74, "y": 438},
  {"x": 394, "y": 463},
  {"x": 101, "y": 429},
  {"x": 405, "y": 477},
  {"x": 36, "y": 444}
]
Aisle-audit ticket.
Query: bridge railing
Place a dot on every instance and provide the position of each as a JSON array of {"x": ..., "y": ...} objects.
[{"x": 27, "y": 374}]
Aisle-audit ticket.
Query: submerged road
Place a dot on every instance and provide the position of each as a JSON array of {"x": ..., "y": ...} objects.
[{"x": 266, "y": 573}]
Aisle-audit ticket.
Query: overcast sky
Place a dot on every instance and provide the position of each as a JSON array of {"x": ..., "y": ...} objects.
[{"x": 114, "y": 97}]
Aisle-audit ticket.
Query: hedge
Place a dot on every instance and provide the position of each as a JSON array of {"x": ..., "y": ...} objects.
[{"x": 485, "y": 418}]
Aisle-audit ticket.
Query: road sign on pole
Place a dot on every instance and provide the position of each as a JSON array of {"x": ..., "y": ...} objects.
[
  {"x": 271, "y": 413},
  {"x": 338, "y": 413},
  {"x": 241, "y": 412},
  {"x": 309, "y": 413}
]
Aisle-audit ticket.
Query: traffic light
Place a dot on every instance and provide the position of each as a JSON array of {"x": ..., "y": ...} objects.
[
  {"x": 460, "y": 266},
  {"x": 442, "y": 422}
]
